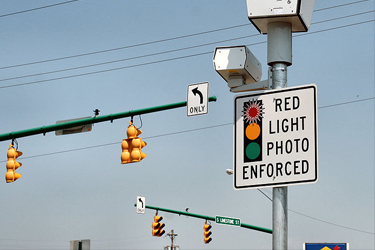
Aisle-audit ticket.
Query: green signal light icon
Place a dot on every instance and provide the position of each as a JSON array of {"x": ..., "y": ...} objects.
[
  {"x": 253, "y": 149},
  {"x": 252, "y": 118}
]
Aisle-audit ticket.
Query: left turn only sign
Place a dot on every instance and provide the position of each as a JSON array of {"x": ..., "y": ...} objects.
[
  {"x": 197, "y": 99},
  {"x": 141, "y": 205}
]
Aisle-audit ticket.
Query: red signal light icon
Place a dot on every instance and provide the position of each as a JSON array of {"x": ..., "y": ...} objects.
[{"x": 252, "y": 118}]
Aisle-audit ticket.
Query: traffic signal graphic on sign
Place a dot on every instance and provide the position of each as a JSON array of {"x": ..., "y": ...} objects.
[{"x": 252, "y": 118}]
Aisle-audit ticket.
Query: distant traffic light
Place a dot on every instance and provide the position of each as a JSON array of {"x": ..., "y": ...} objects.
[
  {"x": 157, "y": 227},
  {"x": 131, "y": 147},
  {"x": 207, "y": 233},
  {"x": 12, "y": 164}
]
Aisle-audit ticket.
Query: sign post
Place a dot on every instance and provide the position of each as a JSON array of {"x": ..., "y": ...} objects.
[
  {"x": 279, "y": 57},
  {"x": 285, "y": 17}
]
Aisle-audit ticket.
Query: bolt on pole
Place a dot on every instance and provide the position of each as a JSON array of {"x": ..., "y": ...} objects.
[{"x": 279, "y": 57}]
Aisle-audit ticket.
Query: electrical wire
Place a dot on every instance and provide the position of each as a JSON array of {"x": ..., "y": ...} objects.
[
  {"x": 347, "y": 16},
  {"x": 126, "y": 59},
  {"x": 327, "y": 222},
  {"x": 341, "y": 5},
  {"x": 164, "y": 60},
  {"x": 169, "y": 51},
  {"x": 39, "y": 8},
  {"x": 220, "y": 125},
  {"x": 179, "y": 132},
  {"x": 157, "y": 41},
  {"x": 124, "y": 47},
  {"x": 215, "y": 126},
  {"x": 209, "y": 127}
]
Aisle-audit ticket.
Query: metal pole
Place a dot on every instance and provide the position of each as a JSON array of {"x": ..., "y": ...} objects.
[{"x": 279, "y": 57}]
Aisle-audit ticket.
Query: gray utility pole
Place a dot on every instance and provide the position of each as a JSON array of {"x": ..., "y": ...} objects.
[
  {"x": 279, "y": 57},
  {"x": 172, "y": 235}
]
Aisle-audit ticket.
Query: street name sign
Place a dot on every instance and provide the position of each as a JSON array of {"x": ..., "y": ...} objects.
[
  {"x": 276, "y": 138},
  {"x": 141, "y": 205},
  {"x": 197, "y": 99},
  {"x": 227, "y": 221},
  {"x": 74, "y": 130}
]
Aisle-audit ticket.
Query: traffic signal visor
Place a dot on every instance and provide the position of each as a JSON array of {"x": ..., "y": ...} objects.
[
  {"x": 12, "y": 164},
  {"x": 132, "y": 131}
]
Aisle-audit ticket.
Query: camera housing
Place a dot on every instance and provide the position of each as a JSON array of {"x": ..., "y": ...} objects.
[
  {"x": 296, "y": 12},
  {"x": 237, "y": 65}
]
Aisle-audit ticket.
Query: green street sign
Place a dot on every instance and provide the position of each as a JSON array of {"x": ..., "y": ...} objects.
[{"x": 228, "y": 221}]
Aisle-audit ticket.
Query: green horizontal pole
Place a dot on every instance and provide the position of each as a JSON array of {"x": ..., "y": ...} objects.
[
  {"x": 92, "y": 120},
  {"x": 205, "y": 217}
]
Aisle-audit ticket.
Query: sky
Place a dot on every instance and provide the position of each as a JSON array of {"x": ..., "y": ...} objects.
[{"x": 64, "y": 61}]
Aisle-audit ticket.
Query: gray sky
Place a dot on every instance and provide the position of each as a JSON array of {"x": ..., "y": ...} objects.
[{"x": 74, "y": 187}]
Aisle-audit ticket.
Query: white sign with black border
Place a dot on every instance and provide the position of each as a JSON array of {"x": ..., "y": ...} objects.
[
  {"x": 276, "y": 138},
  {"x": 197, "y": 99},
  {"x": 141, "y": 205}
]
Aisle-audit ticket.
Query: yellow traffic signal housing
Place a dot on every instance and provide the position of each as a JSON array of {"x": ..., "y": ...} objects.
[
  {"x": 12, "y": 164},
  {"x": 157, "y": 227},
  {"x": 131, "y": 147},
  {"x": 207, "y": 233}
]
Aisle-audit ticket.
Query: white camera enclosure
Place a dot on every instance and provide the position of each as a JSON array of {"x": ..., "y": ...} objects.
[
  {"x": 237, "y": 65},
  {"x": 296, "y": 12}
]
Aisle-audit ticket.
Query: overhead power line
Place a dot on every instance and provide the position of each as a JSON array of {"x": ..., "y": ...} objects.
[
  {"x": 181, "y": 132},
  {"x": 154, "y": 42},
  {"x": 327, "y": 222},
  {"x": 163, "y": 52},
  {"x": 125, "y": 59},
  {"x": 163, "y": 60},
  {"x": 39, "y": 8},
  {"x": 341, "y": 5},
  {"x": 215, "y": 126},
  {"x": 124, "y": 47}
]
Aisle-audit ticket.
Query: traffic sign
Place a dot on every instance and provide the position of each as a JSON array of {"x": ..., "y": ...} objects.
[
  {"x": 276, "y": 138},
  {"x": 197, "y": 99},
  {"x": 141, "y": 205},
  {"x": 326, "y": 246},
  {"x": 74, "y": 130},
  {"x": 227, "y": 221}
]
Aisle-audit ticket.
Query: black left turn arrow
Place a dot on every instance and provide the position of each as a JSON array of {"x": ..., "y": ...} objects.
[
  {"x": 141, "y": 201},
  {"x": 195, "y": 92}
]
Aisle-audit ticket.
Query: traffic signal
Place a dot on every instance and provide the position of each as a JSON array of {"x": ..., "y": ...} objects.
[
  {"x": 207, "y": 233},
  {"x": 12, "y": 164},
  {"x": 253, "y": 114},
  {"x": 157, "y": 227},
  {"x": 131, "y": 147}
]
